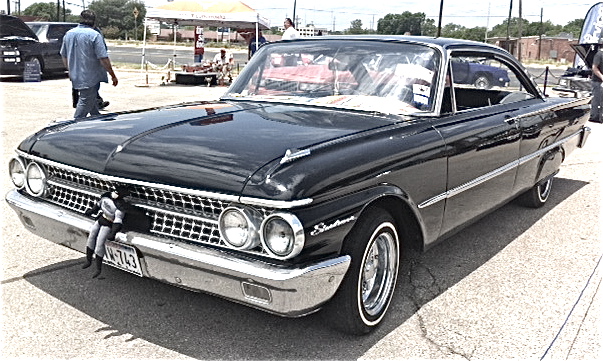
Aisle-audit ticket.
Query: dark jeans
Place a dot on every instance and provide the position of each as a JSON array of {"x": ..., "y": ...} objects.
[
  {"x": 595, "y": 110},
  {"x": 87, "y": 103}
]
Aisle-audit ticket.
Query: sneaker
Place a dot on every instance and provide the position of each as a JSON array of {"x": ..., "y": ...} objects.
[{"x": 103, "y": 105}]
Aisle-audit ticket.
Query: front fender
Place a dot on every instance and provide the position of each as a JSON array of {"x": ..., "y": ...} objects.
[{"x": 327, "y": 223}]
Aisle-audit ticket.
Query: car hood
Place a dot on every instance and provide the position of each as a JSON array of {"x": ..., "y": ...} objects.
[
  {"x": 14, "y": 28},
  {"x": 586, "y": 52},
  {"x": 214, "y": 146}
]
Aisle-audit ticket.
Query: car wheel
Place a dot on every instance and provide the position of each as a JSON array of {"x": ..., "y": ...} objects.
[
  {"x": 537, "y": 196},
  {"x": 482, "y": 82},
  {"x": 367, "y": 289}
]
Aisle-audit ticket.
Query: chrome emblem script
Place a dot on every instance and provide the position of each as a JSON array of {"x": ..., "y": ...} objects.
[{"x": 322, "y": 227}]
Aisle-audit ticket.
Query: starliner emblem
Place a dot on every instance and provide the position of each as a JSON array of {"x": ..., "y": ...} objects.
[{"x": 322, "y": 227}]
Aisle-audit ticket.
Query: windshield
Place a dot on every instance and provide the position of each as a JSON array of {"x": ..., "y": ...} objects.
[
  {"x": 387, "y": 77},
  {"x": 36, "y": 28}
]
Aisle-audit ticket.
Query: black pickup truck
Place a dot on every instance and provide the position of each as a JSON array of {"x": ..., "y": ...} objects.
[{"x": 38, "y": 42}]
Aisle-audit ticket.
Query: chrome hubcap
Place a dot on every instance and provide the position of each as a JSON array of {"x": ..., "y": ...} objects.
[{"x": 379, "y": 272}]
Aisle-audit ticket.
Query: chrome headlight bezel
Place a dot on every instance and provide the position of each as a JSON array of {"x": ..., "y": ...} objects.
[
  {"x": 252, "y": 221},
  {"x": 13, "y": 173},
  {"x": 35, "y": 183},
  {"x": 294, "y": 244}
]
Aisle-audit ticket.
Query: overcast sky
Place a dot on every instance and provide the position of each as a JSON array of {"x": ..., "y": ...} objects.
[{"x": 338, "y": 14}]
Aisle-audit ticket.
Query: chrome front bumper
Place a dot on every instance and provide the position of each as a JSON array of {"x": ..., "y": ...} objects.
[{"x": 286, "y": 291}]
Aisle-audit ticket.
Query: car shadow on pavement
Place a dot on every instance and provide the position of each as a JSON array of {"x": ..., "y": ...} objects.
[{"x": 206, "y": 327}]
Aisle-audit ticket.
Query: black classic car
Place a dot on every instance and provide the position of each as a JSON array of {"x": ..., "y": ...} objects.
[
  {"x": 38, "y": 42},
  {"x": 301, "y": 187}
]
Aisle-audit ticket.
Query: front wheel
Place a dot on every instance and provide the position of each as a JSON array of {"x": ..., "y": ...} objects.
[
  {"x": 537, "y": 196},
  {"x": 367, "y": 289}
]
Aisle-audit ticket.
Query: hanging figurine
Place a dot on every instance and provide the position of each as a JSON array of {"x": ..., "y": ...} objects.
[{"x": 108, "y": 222}]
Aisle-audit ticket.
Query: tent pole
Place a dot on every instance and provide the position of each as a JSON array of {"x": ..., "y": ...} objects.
[
  {"x": 144, "y": 44},
  {"x": 175, "y": 36},
  {"x": 143, "y": 66},
  {"x": 257, "y": 29}
]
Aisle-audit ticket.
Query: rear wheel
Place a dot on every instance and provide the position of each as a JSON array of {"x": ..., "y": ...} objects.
[
  {"x": 537, "y": 196},
  {"x": 367, "y": 289},
  {"x": 482, "y": 82}
]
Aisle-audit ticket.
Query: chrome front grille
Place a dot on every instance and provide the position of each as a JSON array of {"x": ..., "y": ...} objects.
[{"x": 179, "y": 215}]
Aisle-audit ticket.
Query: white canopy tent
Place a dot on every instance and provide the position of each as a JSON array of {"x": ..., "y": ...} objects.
[{"x": 221, "y": 13}]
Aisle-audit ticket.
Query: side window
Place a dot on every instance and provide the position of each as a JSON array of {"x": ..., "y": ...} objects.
[
  {"x": 481, "y": 81},
  {"x": 57, "y": 31}
]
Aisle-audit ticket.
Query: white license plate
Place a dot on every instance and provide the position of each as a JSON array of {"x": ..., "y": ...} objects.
[{"x": 123, "y": 257}]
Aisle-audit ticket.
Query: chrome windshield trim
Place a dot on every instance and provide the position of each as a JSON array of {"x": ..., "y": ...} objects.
[
  {"x": 199, "y": 193},
  {"x": 495, "y": 173}
]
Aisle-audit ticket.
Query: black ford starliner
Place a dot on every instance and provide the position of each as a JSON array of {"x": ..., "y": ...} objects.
[{"x": 301, "y": 188}]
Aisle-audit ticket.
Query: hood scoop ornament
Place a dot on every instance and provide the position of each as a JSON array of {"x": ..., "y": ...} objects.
[{"x": 291, "y": 155}]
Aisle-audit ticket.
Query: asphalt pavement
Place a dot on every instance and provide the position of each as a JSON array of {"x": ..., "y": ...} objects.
[{"x": 518, "y": 284}]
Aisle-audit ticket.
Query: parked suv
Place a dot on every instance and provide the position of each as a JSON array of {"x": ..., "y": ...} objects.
[{"x": 39, "y": 42}]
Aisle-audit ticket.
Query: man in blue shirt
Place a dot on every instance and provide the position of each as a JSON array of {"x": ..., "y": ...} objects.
[
  {"x": 85, "y": 56},
  {"x": 253, "y": 45}
]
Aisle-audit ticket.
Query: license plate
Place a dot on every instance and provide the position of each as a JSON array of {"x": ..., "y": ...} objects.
[{"x": 122, "y": 256}]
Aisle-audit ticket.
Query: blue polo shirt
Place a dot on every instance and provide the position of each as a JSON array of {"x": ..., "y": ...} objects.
[{"x": 83, "y": 47}]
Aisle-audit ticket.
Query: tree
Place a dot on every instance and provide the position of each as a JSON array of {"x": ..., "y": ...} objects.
[
  {"x": 477, "y": 33},
  {"x": 119, "y": 14},
  {"x": 48, "y": 12},
  {"x": 574, "y": 27},
  {"x": 398, "y": 24},
  {"x": 356, "y": 27}
]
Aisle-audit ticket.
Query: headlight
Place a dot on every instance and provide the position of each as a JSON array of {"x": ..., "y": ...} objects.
[
  {"x": 16, "y": 170},
  {"x": 283, "y": 235},
  {"x": 239, "y": 227},
  {"x": 11, "y": 52},
  {"x": 36, "y": 179},
  {"x": 563, "y": 82}
]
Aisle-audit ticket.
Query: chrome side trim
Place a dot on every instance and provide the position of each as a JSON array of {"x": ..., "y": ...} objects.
[
  {"x": 495, "y": 173},
  {"x": 220, "y": 196}
]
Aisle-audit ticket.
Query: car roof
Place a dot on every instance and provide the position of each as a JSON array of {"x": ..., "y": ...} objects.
[
  {"x": 50, "y": 23},
  {"x": 443, "y": 43}
]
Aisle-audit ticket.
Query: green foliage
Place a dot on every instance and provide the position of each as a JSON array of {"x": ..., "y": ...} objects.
[
  {"x": 574, "y": 27},
  {"x": 48, "y": 12},
  {"x": 119, "y": 14},
  {"x": 460, "y": 32},
  {"x": 356, "y": 27},
  {"x": 399, "y": 24}
]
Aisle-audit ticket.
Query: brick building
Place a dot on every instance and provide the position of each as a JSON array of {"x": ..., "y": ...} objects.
[{"x": 535, "y": 48}]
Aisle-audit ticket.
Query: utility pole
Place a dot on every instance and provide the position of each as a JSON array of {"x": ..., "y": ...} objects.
[
  {"x": 440, "y": 20},
  {"x": 509, "y": 21},
  {"x": 294, "y": 20},
  {"x": 519, "y": 36},
  {"x": 487, "y": 24},
  {"x": 540, "y": 37}
]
